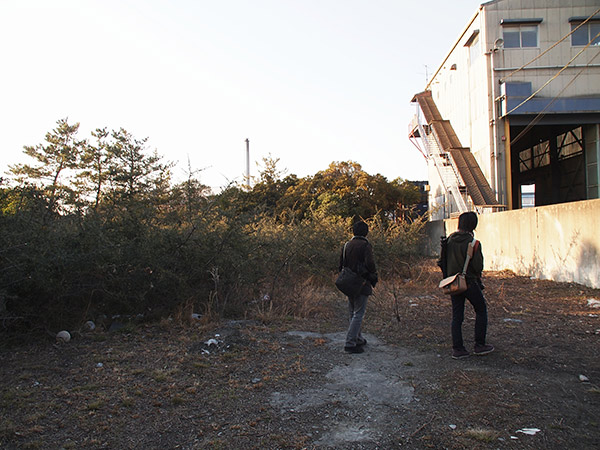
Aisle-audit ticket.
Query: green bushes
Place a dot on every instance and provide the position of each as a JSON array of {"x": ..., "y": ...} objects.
[
  {"x": 126, "y": 242},
  {"x": 62, "y": 273}
]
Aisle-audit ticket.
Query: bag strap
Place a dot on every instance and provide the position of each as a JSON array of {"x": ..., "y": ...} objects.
[
  {"x": 470, "y": 250},
  {"x": 344, "y": 256}
]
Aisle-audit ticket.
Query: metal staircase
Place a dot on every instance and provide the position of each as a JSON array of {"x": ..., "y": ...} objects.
[
  {"x": 461, "y": 177},
  {"x": 446, "y": 170}
]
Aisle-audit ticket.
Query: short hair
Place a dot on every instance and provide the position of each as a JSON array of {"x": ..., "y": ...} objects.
[
  {"x": 360, "y": 229},
  {"x": 467, "y": 221}
]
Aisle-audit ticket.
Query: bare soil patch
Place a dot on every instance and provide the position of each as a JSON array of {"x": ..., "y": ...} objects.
[{"x": 288, "y": 384}]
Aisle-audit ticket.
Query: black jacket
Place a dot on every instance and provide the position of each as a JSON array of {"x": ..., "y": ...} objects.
[
  {"x": 359, "y": 257},
  {"x": 457, "y": 252}
]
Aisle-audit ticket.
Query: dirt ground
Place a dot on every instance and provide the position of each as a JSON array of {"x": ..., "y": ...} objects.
[{"x": 287, "y": 384}]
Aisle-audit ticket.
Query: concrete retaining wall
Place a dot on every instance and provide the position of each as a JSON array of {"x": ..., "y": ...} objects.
[{"x": 556, "y": 242}]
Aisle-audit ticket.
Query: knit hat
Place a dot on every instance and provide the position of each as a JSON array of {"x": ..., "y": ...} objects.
[{"x": 360, "y": 229}]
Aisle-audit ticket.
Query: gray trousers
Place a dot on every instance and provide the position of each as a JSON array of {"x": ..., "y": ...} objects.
[{"x": 356, "y": 307}]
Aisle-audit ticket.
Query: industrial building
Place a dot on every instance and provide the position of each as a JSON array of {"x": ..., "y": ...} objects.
[
  {"x": 511, "y": 116},
  {"x": 509, "y": 124}
]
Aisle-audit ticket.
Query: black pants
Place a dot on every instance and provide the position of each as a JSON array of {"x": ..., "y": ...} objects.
[{"x": 476, "y": 298}]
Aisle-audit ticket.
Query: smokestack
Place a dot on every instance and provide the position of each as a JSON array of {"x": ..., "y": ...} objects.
[{"x": 248, "y": 163}]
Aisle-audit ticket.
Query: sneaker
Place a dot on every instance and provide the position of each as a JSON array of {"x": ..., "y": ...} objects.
[
  {"x": 357, "y": 349},
  {"x": 483, "y": 349},
  {"x": 460, "y": 353}
]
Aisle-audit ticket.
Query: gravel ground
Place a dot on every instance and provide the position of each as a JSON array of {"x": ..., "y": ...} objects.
[{"x": 288, "y": 383}]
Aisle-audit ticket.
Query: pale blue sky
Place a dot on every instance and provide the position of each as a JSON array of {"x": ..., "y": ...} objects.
[{"x": 307, "y": 81}]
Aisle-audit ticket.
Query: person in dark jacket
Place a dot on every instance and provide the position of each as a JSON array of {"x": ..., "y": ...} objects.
[
  {"x": 359, "y": 257},
  {"x": 456, "y": 253}
]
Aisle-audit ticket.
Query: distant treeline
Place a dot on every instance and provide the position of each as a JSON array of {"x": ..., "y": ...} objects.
[{"x": 96, "y": 226}]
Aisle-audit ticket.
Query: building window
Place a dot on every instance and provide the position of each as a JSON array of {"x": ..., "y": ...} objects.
[
  {"x": 520, "y": 36},
  {"x": 474, "y": 50},
  {"x": 586, "y": 33}
]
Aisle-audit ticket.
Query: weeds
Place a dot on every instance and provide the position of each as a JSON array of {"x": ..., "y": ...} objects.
[
  {"x": 482, "y": 434},
  {"x": 95, "y": 406}
]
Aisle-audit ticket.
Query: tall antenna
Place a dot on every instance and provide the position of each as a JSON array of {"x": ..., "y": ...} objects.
[{"x": 248, "y": 163}]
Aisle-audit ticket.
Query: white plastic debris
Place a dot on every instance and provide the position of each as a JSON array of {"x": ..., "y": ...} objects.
[
  {"x": 89, "y": 325},
  {"x": 63, "y": 336},
  {"x": 211, "y": 342},
  {"x": 509, "y": 319},
  {"x": 452, "y": 426},
  {"x": 99, "y": 365},
  {"x": 593, "y": 303},
  {"x": 529, "y": 431},
  {"x": 583, "y": 378},
  {"x": 196, "y": 316}
]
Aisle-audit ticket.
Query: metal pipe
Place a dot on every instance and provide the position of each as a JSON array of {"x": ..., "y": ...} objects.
[{"x": 248, "y": 163}]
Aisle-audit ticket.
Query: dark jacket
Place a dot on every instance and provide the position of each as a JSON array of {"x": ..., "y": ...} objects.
[
  {"x": 359, "y": 257},
  {"x": 457, "y": 252}
]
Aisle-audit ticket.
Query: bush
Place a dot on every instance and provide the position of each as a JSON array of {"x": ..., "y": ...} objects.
[{"x": 108, "y": 235}]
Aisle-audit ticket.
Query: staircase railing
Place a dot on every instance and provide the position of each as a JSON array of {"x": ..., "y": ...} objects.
[{"x": 446, "y": 169}]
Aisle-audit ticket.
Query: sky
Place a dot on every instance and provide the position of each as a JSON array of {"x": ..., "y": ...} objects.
[{"x": 308, "y": 82}]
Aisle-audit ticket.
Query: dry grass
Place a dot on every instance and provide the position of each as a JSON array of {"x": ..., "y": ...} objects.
[{"x": 482, "y": 434}]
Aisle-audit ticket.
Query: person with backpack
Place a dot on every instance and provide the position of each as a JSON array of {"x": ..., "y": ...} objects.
[
  {"x": 357, "y": 254},
  {"x": 454, "y": 258}
]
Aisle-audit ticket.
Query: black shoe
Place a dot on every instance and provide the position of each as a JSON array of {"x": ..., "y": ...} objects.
[
  {"x": 357, "y": 349},
  {"x": 483, "y": 349},
  {"x": 362, "y": 342},
  {"x": 460, "y": 353}
]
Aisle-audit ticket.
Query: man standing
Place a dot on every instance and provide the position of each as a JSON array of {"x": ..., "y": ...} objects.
[
  {"x": 358, "y": 256},
  {"x": 456, "y": 253}
]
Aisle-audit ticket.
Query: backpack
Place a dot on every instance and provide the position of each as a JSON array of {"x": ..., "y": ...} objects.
[{"x": 443, "y": 262}]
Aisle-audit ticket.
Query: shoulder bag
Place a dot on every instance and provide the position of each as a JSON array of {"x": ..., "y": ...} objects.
[
  {"x": 348, "y": 281},
  {"x": 457, "y": 284}
]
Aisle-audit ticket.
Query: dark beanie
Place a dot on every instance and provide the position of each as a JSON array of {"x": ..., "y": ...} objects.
[{"x": 360, "y": 229}]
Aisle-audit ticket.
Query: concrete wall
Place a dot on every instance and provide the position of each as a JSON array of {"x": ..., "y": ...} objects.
[{"x": 556, "y": 242}]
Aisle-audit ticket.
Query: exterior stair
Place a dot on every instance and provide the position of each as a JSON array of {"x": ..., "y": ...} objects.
[{"x": 459, "y": 171}]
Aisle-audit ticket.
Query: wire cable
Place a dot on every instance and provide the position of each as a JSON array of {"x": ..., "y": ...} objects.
[
  {"x": 502, "y": 80},
  {"x": 553, "y": 77},
  {"x": 542, "y": 113}
]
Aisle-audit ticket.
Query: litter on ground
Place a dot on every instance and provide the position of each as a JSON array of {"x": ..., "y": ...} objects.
[
  {"x": 529, "y": 431},
  {"x": 593, "y": 303}
]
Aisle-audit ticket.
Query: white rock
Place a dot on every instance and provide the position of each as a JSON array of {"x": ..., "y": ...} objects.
[
  {"x": 63, "y": 336},
  {"x": 583, "y": 378},
  {"x": 529, "y": 431}
]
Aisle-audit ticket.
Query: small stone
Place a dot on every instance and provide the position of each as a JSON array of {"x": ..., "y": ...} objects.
[
  {"x": 63, "y": 336},
  {"x": 583, "y": 378}
]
